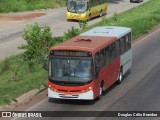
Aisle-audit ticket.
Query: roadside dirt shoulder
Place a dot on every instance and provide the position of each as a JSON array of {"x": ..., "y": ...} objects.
[{"x": 20, "y": 17}]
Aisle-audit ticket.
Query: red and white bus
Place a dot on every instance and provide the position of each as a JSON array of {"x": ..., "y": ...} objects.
[{"x": 88, "y": 64}]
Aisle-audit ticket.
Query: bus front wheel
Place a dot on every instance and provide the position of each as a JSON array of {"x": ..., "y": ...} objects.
[
  {"x": 100, "y": 92},
  {"x": 89, "y": 17},
  {"x": 100, "y": 13}
]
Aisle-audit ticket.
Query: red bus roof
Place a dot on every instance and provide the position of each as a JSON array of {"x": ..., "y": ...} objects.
[{"x": 85, "y": 43}]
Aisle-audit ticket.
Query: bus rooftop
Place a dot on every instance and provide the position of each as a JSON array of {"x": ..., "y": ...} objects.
[{"x": 107, "y": 31}]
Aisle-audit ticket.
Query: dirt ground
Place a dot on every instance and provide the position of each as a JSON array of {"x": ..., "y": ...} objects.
[{"x": 22, "y": 17}]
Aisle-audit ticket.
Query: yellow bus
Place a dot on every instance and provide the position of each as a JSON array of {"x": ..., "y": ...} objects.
[{"x": 85, "y": 9}]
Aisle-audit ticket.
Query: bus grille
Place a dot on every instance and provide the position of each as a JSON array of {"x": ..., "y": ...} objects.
[
  {"x": 68, "y": 96},
  {"x": 68, "y": 90}
]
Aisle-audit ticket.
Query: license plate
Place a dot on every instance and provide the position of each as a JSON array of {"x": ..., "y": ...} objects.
[{"x": 67, "y": 95}]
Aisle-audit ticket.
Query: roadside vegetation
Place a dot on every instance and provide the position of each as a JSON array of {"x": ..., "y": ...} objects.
[
  {"x": 27, "y": 5},
  {"x": 141, "y": 19},
  {"x": 24, "y": 72}
]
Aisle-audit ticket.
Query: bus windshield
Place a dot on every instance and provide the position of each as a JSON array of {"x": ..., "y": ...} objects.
[
  {"x": 78, "y": 6},
  {"x": 71, "y": 70}
]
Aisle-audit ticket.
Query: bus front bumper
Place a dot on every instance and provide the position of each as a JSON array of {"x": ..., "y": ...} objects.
[
  {"x": 81, "y": 96},
  {"x": 73, "y": 16}
]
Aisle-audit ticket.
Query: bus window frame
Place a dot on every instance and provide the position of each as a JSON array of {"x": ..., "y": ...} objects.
[
  {"x": 109, "y": 55},
  {"x": 125, "y": 43}
]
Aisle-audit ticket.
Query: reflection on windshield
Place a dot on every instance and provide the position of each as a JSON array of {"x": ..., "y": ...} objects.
[
  {"x": 71, "y": 69},
  {"x": 76, "y": 6}
]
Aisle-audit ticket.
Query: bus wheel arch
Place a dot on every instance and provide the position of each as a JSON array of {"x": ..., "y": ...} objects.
[{"x": 101, "y": 90}]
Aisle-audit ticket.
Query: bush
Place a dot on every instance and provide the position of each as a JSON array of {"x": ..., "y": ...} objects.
[
  {"x": 83, "y": 24},
  {"x": 71, "y": 33},
  {"x": 38, "y": 39}
]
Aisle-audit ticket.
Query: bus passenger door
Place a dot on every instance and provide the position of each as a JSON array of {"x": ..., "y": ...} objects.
[
  {"x": 99, "y": 73},
  {"x": 112, "y": 63},
  {"x": 115, "y": 62}
]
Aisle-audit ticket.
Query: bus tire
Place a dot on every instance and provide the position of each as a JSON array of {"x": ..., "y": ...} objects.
[
  {"x": 100, "y": 91},
  {"x": 50, "y": 100},
  {"x": 89, "y": 17},
  {"x": 100, "y": 13},
  {"x": 120, "y": 77}
]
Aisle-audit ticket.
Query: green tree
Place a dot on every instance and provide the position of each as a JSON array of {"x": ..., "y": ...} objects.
[{"x": 38, "y": 41}]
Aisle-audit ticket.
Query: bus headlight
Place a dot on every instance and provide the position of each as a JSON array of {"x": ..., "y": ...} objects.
[
  {"x": 83, "y": 16},
  {"x": 90, "y": 88},
  {"x": 86, "y": 90},
  {"x": 50, "y": 86}
]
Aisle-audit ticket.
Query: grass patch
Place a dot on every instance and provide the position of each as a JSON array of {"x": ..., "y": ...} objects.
[
  {"x": 17, "y": 78},
  {"x": 25, "y": 5},
  {"x": 141, "y": 19}
]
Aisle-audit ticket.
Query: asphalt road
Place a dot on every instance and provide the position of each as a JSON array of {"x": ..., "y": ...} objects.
[
  {"x": 11, "y": 30},
  {"x": 139, "y": 90}
]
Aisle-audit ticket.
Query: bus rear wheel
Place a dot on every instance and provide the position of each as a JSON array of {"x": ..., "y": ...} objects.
[{"x": 120, "y": 77}]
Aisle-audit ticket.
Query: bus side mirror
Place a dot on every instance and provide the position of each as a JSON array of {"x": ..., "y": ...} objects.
[{"x": 46, "y": 63}]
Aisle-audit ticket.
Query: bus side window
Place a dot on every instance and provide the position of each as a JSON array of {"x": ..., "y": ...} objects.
[
  {"x": 107, "y": 55},
  {"x": 113, "y": 56},
  {"x": 104, "y": 1},
  {"x": 91, "y": 3},
  {"x": 102, "y": 58},
  {"x": 97, "y": 61},
  {"x": 125, "y": 43},
  {"x": 99, "y": 2},
  {"x": 122, "y": 44},
  {"x": 117, "y": 46},
  {"x": 97, "y": 58},
  {"x": 128, "y": 40},
  {"x": 112, "y": 52}
]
